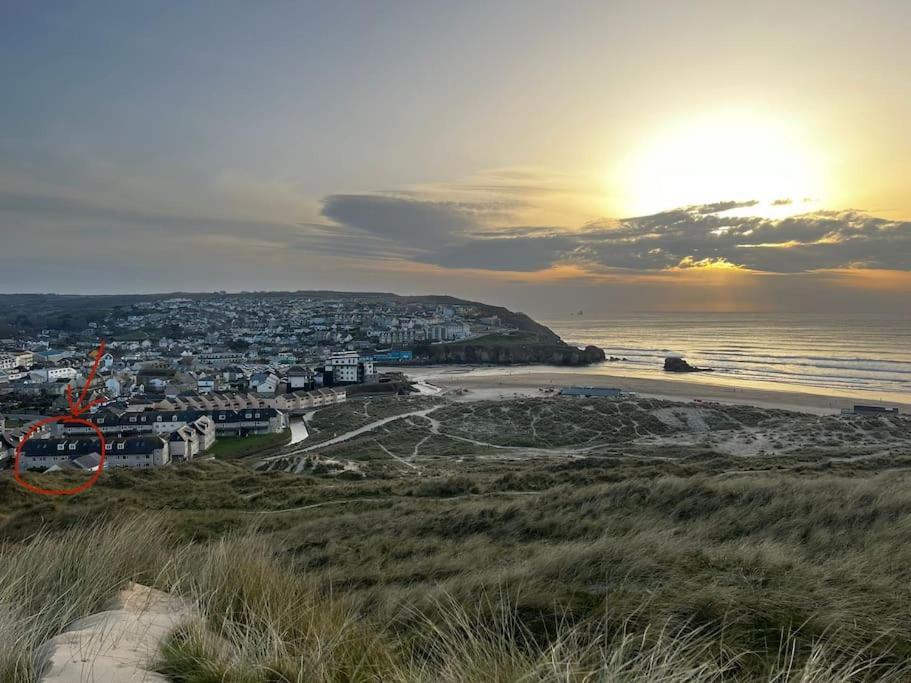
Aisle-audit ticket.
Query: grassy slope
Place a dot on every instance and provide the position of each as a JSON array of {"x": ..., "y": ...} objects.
[
  {"x": 756, "y": 559},
  {"x": 782, "y": 560}
]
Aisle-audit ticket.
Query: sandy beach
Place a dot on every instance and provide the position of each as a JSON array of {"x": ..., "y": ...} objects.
[{"x": 534, "y": 381}]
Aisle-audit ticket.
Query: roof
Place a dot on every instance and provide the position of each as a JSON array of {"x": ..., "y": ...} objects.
[
  {"x": 590, "y": 391},
  {"x": 75, "y": 448},
  {"x": 87, "y": 462}
]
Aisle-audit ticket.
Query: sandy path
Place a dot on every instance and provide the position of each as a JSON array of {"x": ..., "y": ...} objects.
[{"x": 353, "y": 433}]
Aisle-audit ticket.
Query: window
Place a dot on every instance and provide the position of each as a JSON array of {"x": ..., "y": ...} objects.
[
  {"x": 73, "y": 446},
  {"x": 158, "y": 419},
  {"x": 60, "y": 446},
  {"x": 120, "y": 446}
]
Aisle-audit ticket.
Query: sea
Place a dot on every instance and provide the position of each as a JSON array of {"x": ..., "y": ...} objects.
[{"x": 867, "y": 357}]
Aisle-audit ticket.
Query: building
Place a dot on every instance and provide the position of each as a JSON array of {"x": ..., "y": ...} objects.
[
  {"x": 300, "y": 402},
  {"x": 220, "y": 358},
  {"x": 75, "y": 453},
  {"x": 24, "y": 359},
  {"x": 184, "y": 443},
  {"x": 52, "y": 374},
  {"x": 347, "y": 367},
  {"x": 870, "y": 410},
  {"x": 7, "y": 362},
  {"x": 602, "y": 392},
  {"x": 295, "y": 402},
  {"x": 225, "y": 422},
  {"x": 48, "y": 356},
  {"x": 154, "y": 422},
  {"x": 249, "y": 422},
  {"x": 9, "y": 441},
  {"x": 448, "y": 332},
  {"x": 300, "y": 378},
  {"x": 113, "y": 387},
  {"x": 392, "y": 357},
  {"x": 264, "y": 382}
]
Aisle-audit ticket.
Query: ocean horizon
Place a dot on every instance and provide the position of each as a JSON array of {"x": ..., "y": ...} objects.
[{"x": 864, "y": 356}]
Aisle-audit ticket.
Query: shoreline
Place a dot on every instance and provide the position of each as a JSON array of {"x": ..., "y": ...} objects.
[{"x": 481, "y": 382}]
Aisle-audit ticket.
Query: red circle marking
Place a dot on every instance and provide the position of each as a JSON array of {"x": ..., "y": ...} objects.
[{"x": 66, "y": 419}]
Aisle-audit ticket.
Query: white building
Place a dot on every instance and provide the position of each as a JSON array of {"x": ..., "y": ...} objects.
[
  {"x": 24, "y": 359},
  {"x": 52, "y": 374},
  {"x": 347, "y": 367},
  {"x": 113, "y": 388}
]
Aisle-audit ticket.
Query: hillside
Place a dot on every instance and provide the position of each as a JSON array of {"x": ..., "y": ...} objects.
[
  {"x": 28, "y": 312},
  {"x": 537, "y": 539}
]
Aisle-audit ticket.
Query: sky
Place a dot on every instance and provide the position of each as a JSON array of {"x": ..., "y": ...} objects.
[{"x": 607, "y": 156}]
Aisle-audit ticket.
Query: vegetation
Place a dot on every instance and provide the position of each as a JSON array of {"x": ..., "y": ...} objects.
[
  {"x": 244, "y": 446},
  {"x": 606, "y": 560},
  {"x": 332, "y": 421}
]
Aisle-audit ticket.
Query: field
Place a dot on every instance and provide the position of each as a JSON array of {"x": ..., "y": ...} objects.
[
  {"x": 244, "y": 446},
  {"x": 534, "y": 539}
]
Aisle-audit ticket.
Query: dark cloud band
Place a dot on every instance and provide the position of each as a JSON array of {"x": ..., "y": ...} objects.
[{"x": 458, "y": 235}]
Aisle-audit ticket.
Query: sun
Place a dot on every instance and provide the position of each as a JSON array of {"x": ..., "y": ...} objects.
[{"x": 727, "y": 155}]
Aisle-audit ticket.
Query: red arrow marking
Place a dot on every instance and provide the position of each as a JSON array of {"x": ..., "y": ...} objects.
[{"x": 76, "y": 409}]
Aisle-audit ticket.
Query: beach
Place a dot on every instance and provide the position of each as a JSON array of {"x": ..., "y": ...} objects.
[{"x": 492, "y": 382}]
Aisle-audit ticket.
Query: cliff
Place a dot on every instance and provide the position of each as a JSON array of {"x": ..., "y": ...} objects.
[{"x": 509, "y": 350}]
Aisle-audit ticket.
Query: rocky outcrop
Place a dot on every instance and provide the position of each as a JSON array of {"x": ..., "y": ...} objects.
[
  {"x": 677, "y": 364},
  {"x": 512, "y": 354}
]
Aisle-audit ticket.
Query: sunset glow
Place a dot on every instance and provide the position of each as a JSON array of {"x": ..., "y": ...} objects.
[
  {"x": 728, "y": 155},
  {"x": 515, "y": 149}
]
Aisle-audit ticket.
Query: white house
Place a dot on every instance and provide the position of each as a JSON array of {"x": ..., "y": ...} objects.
[
  {"x": 347, "y": 367},
  {"x": 24, "y": 359},
  {"x": 184, "y": 443},
  {"x": 113, "y": 387},
  {"x": 264, "y": 383},
  {"x": 52, "y": 374}
]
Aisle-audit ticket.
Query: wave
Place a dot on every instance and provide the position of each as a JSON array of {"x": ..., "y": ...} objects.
[{"x": 826, "y": 352}]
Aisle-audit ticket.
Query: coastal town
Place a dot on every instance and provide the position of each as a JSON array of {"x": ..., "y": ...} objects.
[
  {"x": 176, "y": 373},
  {"x": 175, "y": 378}
]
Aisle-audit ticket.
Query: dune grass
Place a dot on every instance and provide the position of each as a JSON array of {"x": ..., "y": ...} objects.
[
  {"x": 263, "y": 620},
  {"x": 670, "y": 564},
  {"x": 52, "y": 580}
]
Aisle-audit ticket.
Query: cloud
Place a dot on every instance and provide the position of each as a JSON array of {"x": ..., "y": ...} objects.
[
  {"x": 462, "y": 235},
  {"x": 448, "y": 234},
  {"x": 512, "y": 254},
  {"x": 62, "y": 211},
  {"x": 485, "y": 233},
  {"x": 803, "y": 243},
  {"x": 407, "y": 220}
]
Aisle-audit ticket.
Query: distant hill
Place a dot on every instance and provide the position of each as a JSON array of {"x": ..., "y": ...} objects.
[{"x": 30, "y": 312}]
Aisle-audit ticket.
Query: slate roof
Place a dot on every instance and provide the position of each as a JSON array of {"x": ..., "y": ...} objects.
[{"x": 75, "y": 448}]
